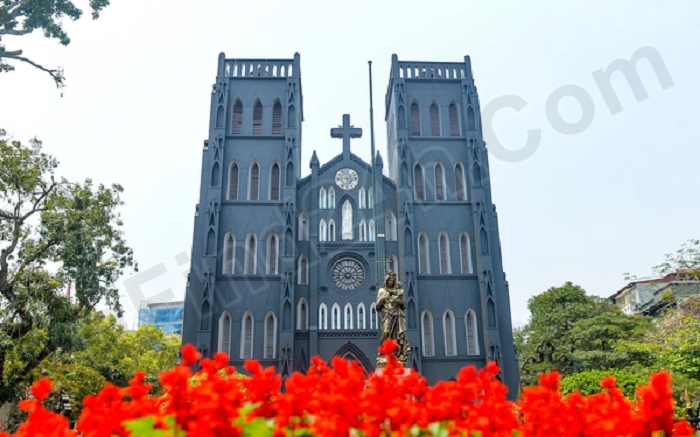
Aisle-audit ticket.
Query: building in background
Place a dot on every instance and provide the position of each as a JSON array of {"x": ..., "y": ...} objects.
[
  {"x": 164, "y": 315},
  {"x": 651, "y": 296}
]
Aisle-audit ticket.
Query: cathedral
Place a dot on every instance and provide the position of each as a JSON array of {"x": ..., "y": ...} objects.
[{"x": 286, "y": 267}]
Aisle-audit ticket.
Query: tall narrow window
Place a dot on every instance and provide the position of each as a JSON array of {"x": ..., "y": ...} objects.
[
  {"x": 439, "y": 182},
  {"x": 472, "y": 330},
  {"x": 303, "y": 227},
  {"x": 363, "y": 231},
  {"x": 270, "y": 335},
  {"x": 407, "y": 242},
  {"x": 465, "y": 253},
  {"x": 476, "y": 174},
  {"x": 276, "y": 118},
  {"x": 434, "y": 120},
  {"x": 491, "y": 311},
  {"x": 290, "y": 174},
  {"x": 444, "y": 246},
  {"x": 361, "y": 316},
  {"x": 251, "y": 253},
  {"x": 215, "y": 175},
  {"x": 448, "y": 324},
  {"x": 373, "y": 321},
  {"x": 323, "y": 317},
  {"x": 291, "y": 116},
  {"x": 427, "y": 328},
  {"x": 229, "y": 251},
  {"x": 275, "y": 182},
  {"x": 484, "y": 242},
  {"x": 362, "y": 203},
  {"x": 393, "y": 264},
  {"x": 455, "y": 130},
  {"x": 331, "y": 198},
  {"x": 347, "y": 221},
  {"x": 347, "y": 322},
  {"x": 302, "y": 315},
  {"x": 257, "y": 117},
  {"x": 322, "y": 230},
  {"x": 331, "y": 230},
  {"x": 418, "y": 182},
  {"x": 247, "y": 327},
  {"x": 205, "y": 316},
  {"x": 254, "y": 184},
  {"x": 303, "y": 270},
  {"x": 233, "y": 181},
  {"x": 237, "y": 119},
  {"x": 370, "y": 198},
  {"x": 272, "y": 251},
  {"x": 322, "y": 198},
  {"x": 220, "y": 116},
  {"x": 335, "y": 316},
  {"x": 460, "y": 186},
  {"x": 423, "y": 254},
  {"x": 225, "y": 333},
  {"x": 471, "y": 121},
  {"x": 401, "y": 117},
  {"x": 370, "y": 231},
  {"x": 415, "y": 119},
  {"x": 390, "y": 230}
]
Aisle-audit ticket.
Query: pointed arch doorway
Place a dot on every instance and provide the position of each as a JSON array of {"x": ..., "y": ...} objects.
[{"x": 351, "y": 352}]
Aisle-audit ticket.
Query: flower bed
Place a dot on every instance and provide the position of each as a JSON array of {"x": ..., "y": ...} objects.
[{"x": 339, "y": 400}]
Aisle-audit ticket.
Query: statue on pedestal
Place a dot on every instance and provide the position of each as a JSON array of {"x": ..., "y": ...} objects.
[{"x": 392, "y": 306}]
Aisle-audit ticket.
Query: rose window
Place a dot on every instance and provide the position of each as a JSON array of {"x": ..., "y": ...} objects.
[{"x": 348, "y": 274}]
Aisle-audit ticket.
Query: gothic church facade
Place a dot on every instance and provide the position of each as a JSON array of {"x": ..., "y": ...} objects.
[{"x": 286, "y": 267}]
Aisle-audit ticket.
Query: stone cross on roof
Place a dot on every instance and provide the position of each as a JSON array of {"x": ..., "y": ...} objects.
[{"x": 346, "y": 131}]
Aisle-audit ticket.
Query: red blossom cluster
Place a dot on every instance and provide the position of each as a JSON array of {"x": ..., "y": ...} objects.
[{"x": 339, "y": 400}]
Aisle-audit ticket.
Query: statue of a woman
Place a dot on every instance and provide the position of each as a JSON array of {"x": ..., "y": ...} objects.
[{"x": 392, "y": 306}]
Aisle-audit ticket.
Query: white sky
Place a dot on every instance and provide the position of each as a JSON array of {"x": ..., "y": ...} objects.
[{"x": 585, "y": 208}]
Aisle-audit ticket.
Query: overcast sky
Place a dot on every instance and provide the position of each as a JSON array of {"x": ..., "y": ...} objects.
[{"x": 584, "y": 208}]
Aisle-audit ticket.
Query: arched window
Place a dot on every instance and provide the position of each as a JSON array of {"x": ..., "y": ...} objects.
[
  {"x": 291, "y": 116},
  {"x": 370, "y": 198},
  {"x": 275, "y": 182},
  {"x": 363, "y": 230},
  {"x": 347, "y": 322},
  {"x": 247, "y": 327},
  {"x": 471, "y": 121},
  {"x": 302, "y": 315},
  {"x": 418, "y": 181},
  {"x": 237, "y": 118},
  {"x": 491, "y": 312},
  {"x": 390, "y": 227},
  {"x": 402, "y": 117},
  {"x": 439, "y": 182},
  {"x": 347, "y": 221},
  {"x": 335, "y": 316},
  {"x": 393, "y": 264},
  {"x": 361, "y": 316},
  {"x": 460, "y": 186},
  {"x": 331, "y": 230},
  {"x": 373, "y": 321},
  {"x": 404, "y": 174},
  {"x": 229, "y": 253},
  {"x": 448, "y": 326},
  {"x": 472, "y": 333},
  {"x": 483, "y": 236},
  {"x": 277, "y": 118},
  {"x": 270, "y": 335},
  {"x": 331, "y": 198},
  {"x": 407, "y": 242},
  {"x": 254, "y": 182},
  {"x": 303, "y": 274},
  {"x": 415, "y": 119},
  {"x": 323, "y": 317},
  {"x": 205, "y": 316},
  {"x": 290, "y": 174},
  {"x": 423, "y": 254},
  {"x": 370, "y": 230},
  {"x": 257, "y": 117},
  {"x": 233, "y": 181},
  {"x": 220, "y": 116},
  {"x": 322, "y": 230},
  {"x": 211, "y": 242},
  {"x": 322, "y": 198},
  {"x": 444, "y": 247},
  {"x": 215, "y": 175},
  {"x": 465, "y": 254},
  {"x": 225, "y": 333},
  {"x": 272, "y": 253},
  {"x": 303, "y": 227},
  {"x": 455, "y": 130},
  {"x": 427, "y": 328},
  {"x": 476, "y": 174},
  {"x": 435, "y": 120},
  {"x": 362, "y": 203},
  {"x": 251, "y": 254}
]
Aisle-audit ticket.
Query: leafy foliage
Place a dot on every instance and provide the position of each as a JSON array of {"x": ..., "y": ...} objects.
[
  {"x": 686, "y": 259},
  {"x": 22, "y": 17}
]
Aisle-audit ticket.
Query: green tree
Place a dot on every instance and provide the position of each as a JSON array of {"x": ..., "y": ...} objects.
[
  {"x": 22, "y": 17},
  {"x": 686, "y": 259},
  {"x": 52, "y": 232}
]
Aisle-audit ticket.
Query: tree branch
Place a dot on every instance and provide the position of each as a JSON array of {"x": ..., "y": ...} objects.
[
  {"x": 57, "y": 74},
  {"x": 15, "y": 32}
]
